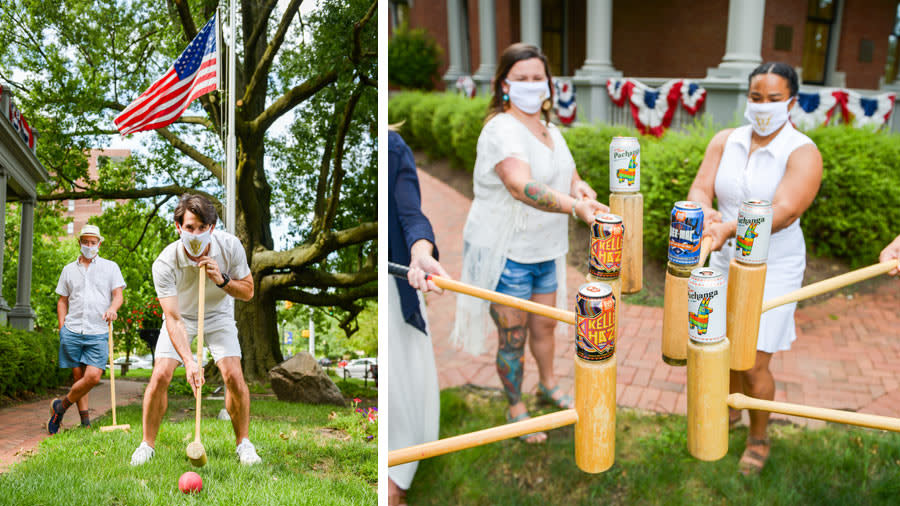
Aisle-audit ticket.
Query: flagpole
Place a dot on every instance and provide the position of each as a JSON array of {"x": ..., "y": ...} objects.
[{"x": 231, "y": 142}]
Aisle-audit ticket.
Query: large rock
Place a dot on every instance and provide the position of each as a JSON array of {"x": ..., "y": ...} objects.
[{"x": 301, "y": 379}]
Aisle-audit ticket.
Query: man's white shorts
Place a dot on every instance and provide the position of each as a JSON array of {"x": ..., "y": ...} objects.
[{"x": 221, "y": 341}]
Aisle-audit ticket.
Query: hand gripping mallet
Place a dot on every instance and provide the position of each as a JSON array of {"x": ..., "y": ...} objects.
[
  {"x": 112, "y": 388},
  {"x": 195, "y": 451}
]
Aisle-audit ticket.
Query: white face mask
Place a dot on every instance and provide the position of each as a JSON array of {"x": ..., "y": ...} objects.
[
  {"x": 89, "y": 252},
  {"x": 528, "y": 96},
  {"x": 196, "y": 244},
  {"x": 768, "y": 117}
]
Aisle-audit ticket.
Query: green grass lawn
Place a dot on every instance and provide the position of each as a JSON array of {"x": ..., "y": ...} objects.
[
  {"x": 311, "y": 455},
  {"x": 835, "y": 465}
]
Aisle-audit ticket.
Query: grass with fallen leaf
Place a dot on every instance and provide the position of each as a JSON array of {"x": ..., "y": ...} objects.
[
  {"x": 835, "y": 465},
  {"x": 311, "y": 455}
]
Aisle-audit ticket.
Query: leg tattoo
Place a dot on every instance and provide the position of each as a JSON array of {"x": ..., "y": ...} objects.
[{"x": 510, "y": 356}]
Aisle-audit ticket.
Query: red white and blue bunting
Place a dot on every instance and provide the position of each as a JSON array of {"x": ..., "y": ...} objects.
[
  {"x": 692, "y": 96},
  {"x": 653, "y": 108},
  {"x": 565, "y": 101},
  {"x": 466, "y": 86},
  {"x": 861, "y": 111}
]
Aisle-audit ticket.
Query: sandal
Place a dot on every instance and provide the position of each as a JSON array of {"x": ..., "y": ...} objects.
[
  {"x": 752, "y": 462},
  {"x": 562, "y": 402},
  {"x": 525, "y": 437}
]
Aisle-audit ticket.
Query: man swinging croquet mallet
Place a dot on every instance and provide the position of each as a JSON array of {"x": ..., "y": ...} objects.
[
  {"x": 176, "y": 275},
  {"x": 90, "y": 294}
]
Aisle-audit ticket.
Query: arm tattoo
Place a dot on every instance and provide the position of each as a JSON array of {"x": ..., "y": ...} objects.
[{"x": 541, "y": 196}]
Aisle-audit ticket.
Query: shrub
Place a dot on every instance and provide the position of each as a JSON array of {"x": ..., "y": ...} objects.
[
  {"x": 441, "y": 129},
  {"x": 465, "y": 127},
  {"x": 420, "y": 120},
  {"x": 413, "y": 59},
  {"x": 29, "y": 361},
  {"x": 400, "y": 110}
]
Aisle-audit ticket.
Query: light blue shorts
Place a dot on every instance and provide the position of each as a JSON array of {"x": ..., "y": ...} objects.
[
  {"x": 76, "y": 350},
  {"x": 523, "y": 280}
]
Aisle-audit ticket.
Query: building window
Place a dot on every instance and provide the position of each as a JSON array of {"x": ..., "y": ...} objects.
[
  {"x": 784, "y": 36},
  {"x": 893, "y": 56},
  {"x": 553, "y": 35},
  {"x": 819, "y": 20},
  {"x": 399, "y": 13},
  {"x": 866, "y": 48},
  {"x": 71, "y": 206},
  {"x": 71, "y": 228}
]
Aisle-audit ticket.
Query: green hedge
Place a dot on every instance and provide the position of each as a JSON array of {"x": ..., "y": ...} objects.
[
  {"x": 29, "y": 361},
  {"x": 855, "y": 214}
]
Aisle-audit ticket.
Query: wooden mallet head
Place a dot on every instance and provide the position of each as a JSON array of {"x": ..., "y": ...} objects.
[{"x": 196, "y": 453}]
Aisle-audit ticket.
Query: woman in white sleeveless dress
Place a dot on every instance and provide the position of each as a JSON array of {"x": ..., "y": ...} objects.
[
  {"x": 516, "y": 234},
  {"x": 767, "y": 160}
]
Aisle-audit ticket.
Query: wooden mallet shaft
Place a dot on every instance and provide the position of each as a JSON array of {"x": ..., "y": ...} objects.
[
  {"x": 500, "y": 298},
  {"x": 112, "y": 388},
  {"x": 482, "y": 437},
  {"x": 830, "y": 284},
  {"x": 196, "y": 453},
  {"x": 741, "y": 401}
]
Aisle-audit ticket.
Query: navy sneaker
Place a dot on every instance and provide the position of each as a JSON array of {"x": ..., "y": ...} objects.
[{"x": 55, "y": 417}]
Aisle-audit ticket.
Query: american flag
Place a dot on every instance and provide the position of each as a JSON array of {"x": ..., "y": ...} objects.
[{"x": 194, "y": 73}]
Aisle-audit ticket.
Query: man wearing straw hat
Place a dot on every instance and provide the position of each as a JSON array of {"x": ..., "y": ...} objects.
[
  {"x": 176, "y": 276},
  {"x": 90, "y": 294}
]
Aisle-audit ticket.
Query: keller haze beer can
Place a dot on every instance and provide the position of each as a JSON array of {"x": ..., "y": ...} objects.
[
  {"x": 685, "y": 232},
  {"x": 595, "y": 322},
  {"x": 707, "y": 288},
  {"x": 754, "y": 228},
  {"x": 607, "y": 232},
  {"x": 624, "y": 165}
]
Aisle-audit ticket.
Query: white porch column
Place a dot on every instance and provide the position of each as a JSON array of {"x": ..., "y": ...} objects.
[
  {"x": 487, "y": 43},
  {"x": 743, "y": 46},
  {"x": 22, "y": 316},
  {"x": 530, "y": 21},
  {"x": 4, "y": 307},
  {"x": 832, "y": 76},
  {"x": 590, "y": 80},
  {"x": 456, "y": 48}
]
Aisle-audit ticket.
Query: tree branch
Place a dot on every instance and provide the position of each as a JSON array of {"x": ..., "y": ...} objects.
[
  {"x": 192, "y": 152},
  {"x": 261, "y": 72},
  {"x": 291, "y": 99},
  {"x": 326, "y": 299},
  {"x": 261, "y": 24},
  {"x": 138, "y": 193},
  {"x": 357, "y": 31},
  {"x": 265, "y": 261},
  {"x": 195, "y": 120},
  {"x": 338, "y": 175},
  {"x": 319, "y": 279}
]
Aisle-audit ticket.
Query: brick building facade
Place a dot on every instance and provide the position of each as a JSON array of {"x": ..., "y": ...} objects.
[{"x": 81, "y": 210}]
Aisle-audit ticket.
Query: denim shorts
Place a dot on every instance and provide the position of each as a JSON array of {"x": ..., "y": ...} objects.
[
  {"x": 76, "y": 350},
  {"x": 523, "y": 280}
]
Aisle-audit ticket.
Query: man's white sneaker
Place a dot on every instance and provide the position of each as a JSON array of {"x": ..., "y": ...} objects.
[
  {"x": 143, "y": 453},
  {"x": 247, "y": 453}
]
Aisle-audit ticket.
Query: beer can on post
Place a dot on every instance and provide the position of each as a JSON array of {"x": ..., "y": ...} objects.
[
  {"x": 607, "y": 233},
  {"x": 754, "y": 228},
  {"x": 685, "y": 232},
  {"x": 707, "y": 289},
  {"x": 595, "y": 322},
  {"x": 624, "y": 165}
]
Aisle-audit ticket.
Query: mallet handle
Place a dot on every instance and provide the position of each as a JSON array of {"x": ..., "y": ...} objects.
[
  {"x": 831, "y": 284},
  {"x": 112, "y": 374},
  {"x": 201, "y": 306},
  {"x": 705, "y": 245},
  {"x": 741, "y": 401},
  {"x": 500, "y": 298},
  {"x": 482, "y": 437}
]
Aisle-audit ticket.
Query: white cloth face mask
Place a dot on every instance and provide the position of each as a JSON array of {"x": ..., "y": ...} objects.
[
  {"x": 528, "y": 96},
  {"x": 196, "y": 244},
  {"x": 89, "y": 252},
  {"x": 767, "y": 117}
]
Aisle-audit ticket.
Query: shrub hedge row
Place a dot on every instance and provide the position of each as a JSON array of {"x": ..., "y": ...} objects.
[
  {"x": 855, "y": 214},
  {"x": 29, "y": 361}
]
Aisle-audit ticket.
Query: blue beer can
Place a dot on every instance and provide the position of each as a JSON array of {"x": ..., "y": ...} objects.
[{"x": 685, "y": 232}]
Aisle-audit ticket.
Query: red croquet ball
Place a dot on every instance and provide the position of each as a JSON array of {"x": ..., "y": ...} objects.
[{"x": 190, "y": 482}]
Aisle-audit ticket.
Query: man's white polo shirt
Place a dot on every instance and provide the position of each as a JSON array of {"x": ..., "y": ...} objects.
[
  {"x": 174, "y": 274},
  {"x": 89, "y": 290}
]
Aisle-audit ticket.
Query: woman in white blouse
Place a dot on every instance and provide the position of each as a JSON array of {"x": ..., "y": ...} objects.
[
  {"x": 516, "y": 234},
  {"x": 766, "y": 160}
]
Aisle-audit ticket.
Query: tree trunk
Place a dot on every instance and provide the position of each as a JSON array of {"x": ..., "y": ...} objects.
[{"x": 258, "y": 334}]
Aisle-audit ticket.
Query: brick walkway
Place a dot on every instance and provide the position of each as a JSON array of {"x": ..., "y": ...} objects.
[
  {"x": 24, "y": 426},
  {"x": 846, "y": 356}
]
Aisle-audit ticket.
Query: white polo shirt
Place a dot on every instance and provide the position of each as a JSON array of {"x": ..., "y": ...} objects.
[
  {"x": 174, "y": 274},
  {"x": 89, "y": 290}
]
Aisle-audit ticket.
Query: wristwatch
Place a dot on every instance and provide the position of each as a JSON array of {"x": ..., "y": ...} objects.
[{"x": 226, "y": 278}]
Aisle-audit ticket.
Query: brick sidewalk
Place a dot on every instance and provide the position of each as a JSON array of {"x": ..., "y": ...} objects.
[
  {"x": 24, "y": 426},
  {"x": 846, "y": 356}
]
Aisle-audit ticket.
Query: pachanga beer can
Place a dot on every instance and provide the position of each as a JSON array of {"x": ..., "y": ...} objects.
[
  {"x": 624, "y": 165},
  {"x": 607, "y": 233},
  {"x": 595, "y": 322},
  {"x": 685, "y": 232},
  {"x": 754, "y": 228},
  {"x": 707, "y": 289}
]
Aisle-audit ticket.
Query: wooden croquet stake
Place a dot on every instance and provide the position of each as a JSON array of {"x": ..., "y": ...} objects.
[
  {"x": 675, "y": 316},
  {"x": 830, "y": 284},
  {"x": 112, "y": 388},
  {"x": 746, "y": 284},
  {"x": 741, "y": 401},
  {"x": 595, "y": 402},
  {"x": 630, "y": 206},
  {"x": 707, "y": 390}
]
